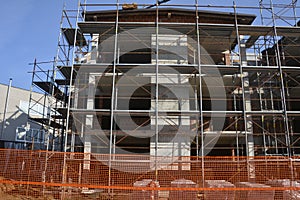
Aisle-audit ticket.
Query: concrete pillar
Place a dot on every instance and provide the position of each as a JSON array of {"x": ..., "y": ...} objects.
[
  {"x": 172, "y": 142},
  {"x": 248, "y": 121},
  {"x": 247, "y": 95},
  {"x": 227, "y": 60},
  {"x": 95, "y": 51},
  {"x": 89, "y": 121}
]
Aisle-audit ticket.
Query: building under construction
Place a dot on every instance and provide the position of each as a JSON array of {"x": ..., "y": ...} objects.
[
  {"x": 174, "y": 95},
  {"x": 134, "y": 73}
]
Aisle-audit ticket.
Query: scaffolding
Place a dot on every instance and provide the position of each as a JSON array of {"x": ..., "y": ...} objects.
[
  {"x": 263, "y": 55},
  {"x": 171, "y": 81}
]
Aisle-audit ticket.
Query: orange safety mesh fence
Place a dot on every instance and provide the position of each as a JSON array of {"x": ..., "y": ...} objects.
[{"x": 57, "y": 175}]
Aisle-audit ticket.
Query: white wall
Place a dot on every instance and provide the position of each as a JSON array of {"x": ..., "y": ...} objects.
[{"x": 15, "y": 117}]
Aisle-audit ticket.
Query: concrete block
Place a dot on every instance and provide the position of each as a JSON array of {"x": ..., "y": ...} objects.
[
  {"x": 212, "y": 195},
  {"x": 145, "y": 194},
  {"x": 181, "y": 194},
  {"x": 253, "y": 194},
  {"x": 284, "y": 195}
]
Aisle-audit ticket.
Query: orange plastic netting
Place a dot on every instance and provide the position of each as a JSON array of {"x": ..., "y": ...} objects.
[{"x": 57, "y": 175}]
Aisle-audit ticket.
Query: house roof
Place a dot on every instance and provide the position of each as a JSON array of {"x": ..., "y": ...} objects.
[{"x": 168, "y": 14}]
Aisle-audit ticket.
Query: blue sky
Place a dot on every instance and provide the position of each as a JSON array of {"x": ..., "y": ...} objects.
[{"x": 30, "y": 29}]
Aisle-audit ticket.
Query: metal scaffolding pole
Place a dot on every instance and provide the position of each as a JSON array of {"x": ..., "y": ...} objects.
[
  {"x": 283, "y": 97},
  {"x": 156, "y": 89},
  {"x": 294, "y": 3},
  {"x": 30, "y": 94},
  {"x": 113, "y": 93},
  {"x": 236, "y": 125},
  {"x": 262, "y": 117},
  {"x": 248, "y": 139},
  {"x": 56, "y": 60},
  {"x": 5, "y": 108},
  {"x": 201, "y": 122},
  {"x": 71, "y": 80},
  {"x": 64, "y": 175},
  {"x": 196, "y": 108}
]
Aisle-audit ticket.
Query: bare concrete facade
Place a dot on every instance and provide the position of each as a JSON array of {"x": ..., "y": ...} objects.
[{"x": 177, "y": 82}]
